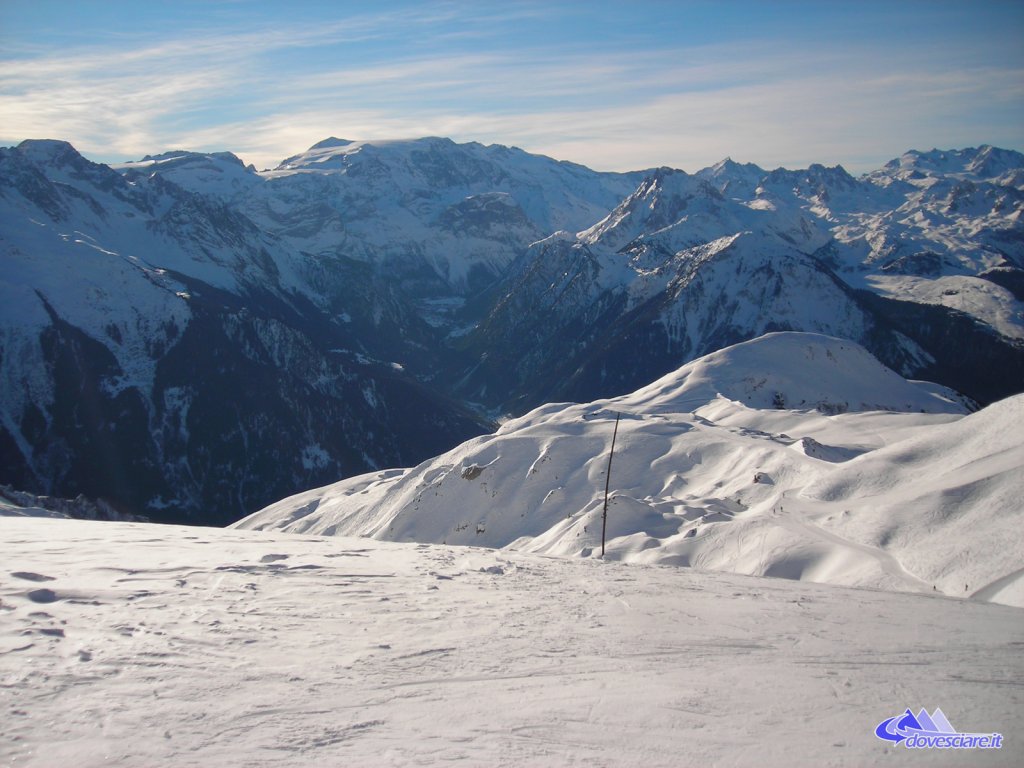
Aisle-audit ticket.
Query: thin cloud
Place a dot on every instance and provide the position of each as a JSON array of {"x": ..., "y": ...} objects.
[{"x": 252, "y": 91}]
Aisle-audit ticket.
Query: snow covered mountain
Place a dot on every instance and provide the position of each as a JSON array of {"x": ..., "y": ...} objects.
[
  {"x": 186, "y": 335},
  {"x": 794, "y": 455},
  {"x": 444, "y": 217},
  {"x": 920, "y": 261},
  {"x": 163, "y": 353},
  {"x": 188, "y": 339}
]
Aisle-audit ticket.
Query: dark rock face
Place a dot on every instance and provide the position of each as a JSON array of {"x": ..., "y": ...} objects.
[
  {"x": 967, "y": 355},
  {"x": 1010, "y": 278},
  {"x": 252, "y": 409},
  {"x": 96, "y": 440},
  {"x": 245, "y": 409}
]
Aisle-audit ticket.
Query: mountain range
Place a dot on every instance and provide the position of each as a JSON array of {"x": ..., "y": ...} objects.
[{"x": 189, "y": 338}]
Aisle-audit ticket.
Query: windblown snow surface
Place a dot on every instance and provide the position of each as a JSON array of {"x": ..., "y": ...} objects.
[
  {"x": 793, "y": 455},
  {"x": 128, "y": 644}
]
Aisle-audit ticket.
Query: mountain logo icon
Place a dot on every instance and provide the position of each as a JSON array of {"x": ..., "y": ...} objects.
[{"x": 924, "y": 731}]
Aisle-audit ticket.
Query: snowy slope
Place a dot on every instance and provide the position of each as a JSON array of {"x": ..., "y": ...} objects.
[
  {"x": 801, "y": 371},
  {"x": 216, "y": 174},
  {"x": 940, "y": 215},
  {"x": 128, "y": 645},
  {"x": 462, "y": 211},
  {"x": 672, "y": 211},
  {"x": 78, "y": 237},
  {"x": 793, "y": 455},
  {"x": 555, "y": 195}
]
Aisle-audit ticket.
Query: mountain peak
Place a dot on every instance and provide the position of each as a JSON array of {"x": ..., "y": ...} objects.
[
  {"x": 728, "y": 164},
  {"x": 49, "y": 151},
  {"x": 177, "y": 156},
  {"x": 981, "y": 162},
  {"x": 808, "y": 371},
  {"x": 657, "y": 202},
  {"x": 330, "y": 143},
  {"x": 732, "y": 178}
]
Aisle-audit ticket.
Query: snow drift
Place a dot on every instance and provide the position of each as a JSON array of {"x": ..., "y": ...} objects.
[
  {"x": 793, "y": 455},
  {"x": 135, "y": 645}
]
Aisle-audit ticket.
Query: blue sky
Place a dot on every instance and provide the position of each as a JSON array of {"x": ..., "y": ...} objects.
[{"x": 612, "y": 85}]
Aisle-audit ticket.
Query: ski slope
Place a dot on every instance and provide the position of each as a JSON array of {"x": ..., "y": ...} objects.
[
  {"x": 131, "y": 645},
  {"x": 792, "y": 455}
]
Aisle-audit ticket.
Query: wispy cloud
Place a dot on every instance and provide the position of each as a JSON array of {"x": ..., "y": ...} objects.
[{"x": 266, "y": 92}]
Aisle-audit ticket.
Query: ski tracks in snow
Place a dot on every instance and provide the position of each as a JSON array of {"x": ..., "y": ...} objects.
[
  {"x": 155, "y": 645},
  {"x": 789, "y": 515}
]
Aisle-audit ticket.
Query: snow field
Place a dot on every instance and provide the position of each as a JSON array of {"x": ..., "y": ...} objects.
[
  {"x": 707, "y": 473},
  {"x": 125, "y": 645}
]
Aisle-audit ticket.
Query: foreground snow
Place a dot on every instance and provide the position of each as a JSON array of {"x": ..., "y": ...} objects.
[
  {"x": 126, "y": 644},
  {"x": 795, "y": 455}
]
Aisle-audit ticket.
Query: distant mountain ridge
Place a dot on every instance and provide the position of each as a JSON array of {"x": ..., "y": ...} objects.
[
  {"x": 921, "y": 267},
  {"x": 188, "y": 338},
  {"x": 163, "y": 353},
  {"x": 406, "y": 204}
]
